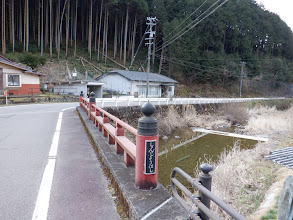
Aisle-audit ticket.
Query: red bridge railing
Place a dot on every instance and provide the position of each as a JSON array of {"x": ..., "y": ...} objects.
[{"x": 143, "y": 154}]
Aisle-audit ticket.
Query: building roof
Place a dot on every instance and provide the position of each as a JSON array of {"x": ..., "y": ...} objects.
[
  {"x": 139, "y": 76},
  {"x": 18, "y": 66},
  {"x": 88, "y": 82}
]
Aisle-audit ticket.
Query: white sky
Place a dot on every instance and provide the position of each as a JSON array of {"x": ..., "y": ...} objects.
[{"x": 284, "y": 8}]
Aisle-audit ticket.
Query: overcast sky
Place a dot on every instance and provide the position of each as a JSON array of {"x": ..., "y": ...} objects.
[{"x": 284, "y": 8}]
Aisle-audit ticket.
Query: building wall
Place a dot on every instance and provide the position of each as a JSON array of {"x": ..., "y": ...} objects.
[
  {"x": 26, "y": 89},
  {"x": 120, "y": 85},
  {"x": 70, "y": 89},
  {"x": 75, "y": 89},
  {"x": 116, "y": 84},
  {"x": 29, "y": 83}
]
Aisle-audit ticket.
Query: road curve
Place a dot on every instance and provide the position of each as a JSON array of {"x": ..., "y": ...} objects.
[{"x": 79, "y": 188}]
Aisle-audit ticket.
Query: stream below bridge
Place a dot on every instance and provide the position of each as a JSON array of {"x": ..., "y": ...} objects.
[{"x": 190, "y": 155}]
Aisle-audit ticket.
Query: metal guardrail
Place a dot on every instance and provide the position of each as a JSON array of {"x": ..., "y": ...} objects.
[
  {"x": 130, "y": 101},
  {"x": 202, "y": 201}
]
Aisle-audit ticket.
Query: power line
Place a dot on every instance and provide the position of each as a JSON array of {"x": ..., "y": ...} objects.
[
  {"x": 184, "y": 21},
  {"x": 142, "y": 39},
  {"x": 193, "y": 67},
  {"x": 189, "y": 28},
  {"x": 188, "y": 25}
]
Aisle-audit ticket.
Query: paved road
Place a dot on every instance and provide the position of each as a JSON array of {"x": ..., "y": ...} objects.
[{"x": 79, "y": 189}]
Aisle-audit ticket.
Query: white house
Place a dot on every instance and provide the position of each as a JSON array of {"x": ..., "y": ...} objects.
[
  {"x": 134, "y": 83},
  {"x": 75, "y": 87},
  {"x": 17, "y": 79}
]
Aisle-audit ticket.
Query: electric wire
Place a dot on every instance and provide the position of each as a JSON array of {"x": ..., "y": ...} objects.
[
  {"x": 216, "y": 70},
  {"x": 188, "y": 25},
  {"x": 183, "y": 21},
  {"x": 189, "y": 28},
  {"x": 142, "y": 39}
]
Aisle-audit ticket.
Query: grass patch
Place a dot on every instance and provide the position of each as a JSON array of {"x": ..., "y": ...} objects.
[{"x": 272, "y": 214}]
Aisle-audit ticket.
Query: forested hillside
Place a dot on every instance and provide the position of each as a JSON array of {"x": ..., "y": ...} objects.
[{"x": 202, "y": 40}]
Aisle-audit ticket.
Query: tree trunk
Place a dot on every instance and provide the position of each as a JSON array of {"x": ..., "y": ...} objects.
[
  {"x": 116, "y": 35},
  {"x": 129, "y": 39},
  {"x": 71, "y": 23},
  {"x": 39, "y": 24},
  {"x": 3, "y": 28},
  {"x": 75, "y": 27},
  {"x": 100, "y": 24},
  {"x": 133, "y": 37},
  {"x": 51, "y": 29},
  {"x": 42, "y": 29},
  {"x": 20, "y": 23},
  {"x": 47, "y": 26},
  {"x": 121, "y": 39},
  {"x": 96, "y": 27},
  {"x": 67, "y": 27},
  {"x": 10, "y": 22},
  {"x": 60, "y": 29},
  {"x": 154, "y": 49},
  {"x": 90, "y": 28},
  {"x": 34, "y": 15},
  {"x": 12, "y": 25},
  {"x": 162, "y": 58},
  {"x": 57, "y": 24},
  {"x": 24, "y": 26},
  {"x": 82, "y": 21},
  {"x": 27, "y": 24},
  {"x": 106, "y": 34},
  {"x": 125, "y": 35}
]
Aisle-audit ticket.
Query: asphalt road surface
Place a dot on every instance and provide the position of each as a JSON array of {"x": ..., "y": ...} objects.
[{"x": 43, "y": 141}]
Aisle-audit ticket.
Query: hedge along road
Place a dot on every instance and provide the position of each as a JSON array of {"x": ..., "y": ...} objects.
[{"x": 32, "y": 138}]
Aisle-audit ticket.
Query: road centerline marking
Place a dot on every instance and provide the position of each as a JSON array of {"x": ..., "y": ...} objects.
[{"x": 43, "y": 200}]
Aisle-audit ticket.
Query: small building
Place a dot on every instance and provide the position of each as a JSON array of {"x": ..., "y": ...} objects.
[
  {"x": 75, "y": 87},
  {"x": 132, "y": 83},
  {"x": 17, "y": 79}
]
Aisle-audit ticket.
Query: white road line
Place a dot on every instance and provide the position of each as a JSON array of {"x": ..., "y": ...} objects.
[
  {"x": 43, "y": 200},
  {"x": 156, "y": 209}
]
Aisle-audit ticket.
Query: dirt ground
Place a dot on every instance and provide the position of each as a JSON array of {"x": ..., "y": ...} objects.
[{"x": 271, "y": 195}]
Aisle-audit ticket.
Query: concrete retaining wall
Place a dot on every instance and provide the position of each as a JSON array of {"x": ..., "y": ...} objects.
[{"x": 139, "y": 204}]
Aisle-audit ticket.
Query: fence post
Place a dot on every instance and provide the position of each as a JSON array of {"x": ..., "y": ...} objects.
[
  {"x": 80, "y": 98},
  {"x": 92, "y": 101},
  {"x": 206, "y": 180},
  {"x": 147, "y": 141}
]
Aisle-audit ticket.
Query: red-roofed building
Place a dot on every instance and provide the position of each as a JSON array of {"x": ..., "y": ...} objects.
[{"x": 17, "y": 79}]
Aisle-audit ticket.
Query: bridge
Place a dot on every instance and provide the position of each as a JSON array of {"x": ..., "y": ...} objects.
[{"x": 50, "y": 172}]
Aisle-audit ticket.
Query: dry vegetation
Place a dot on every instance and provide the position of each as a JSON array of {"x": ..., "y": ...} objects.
[
  {"x": 242, "y": 177},
  {"x": 265, "y": 120},
  {"x": 187, "y": 116}
]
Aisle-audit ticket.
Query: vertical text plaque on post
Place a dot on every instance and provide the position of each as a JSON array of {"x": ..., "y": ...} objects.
[{"x": 150, "y": 157}]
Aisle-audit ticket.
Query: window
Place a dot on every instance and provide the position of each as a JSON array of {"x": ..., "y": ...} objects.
[
  {"x": 13, "y": 80},
  {"x": 153, "y": 90}
]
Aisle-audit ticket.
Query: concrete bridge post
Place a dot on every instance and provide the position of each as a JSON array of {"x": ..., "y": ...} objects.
[
  {"x": 92, "y": 102},
  {"x": 206, "y": 180},
  {"x": 147, "y": 141}
]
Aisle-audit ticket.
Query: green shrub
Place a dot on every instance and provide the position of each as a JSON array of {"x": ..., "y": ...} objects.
[{"x": 32, "y": 60}]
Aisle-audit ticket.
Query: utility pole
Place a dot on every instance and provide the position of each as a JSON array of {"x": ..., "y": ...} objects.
[
  {"x": 241, "y": 78},
  {"x": 151, "y": 23}
]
